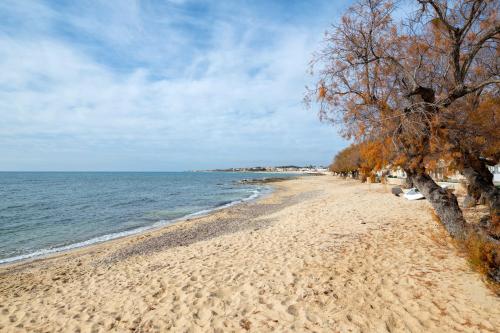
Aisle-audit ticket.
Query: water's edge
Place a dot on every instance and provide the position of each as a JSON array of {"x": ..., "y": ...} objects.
[{"x": 259, "y": 192}]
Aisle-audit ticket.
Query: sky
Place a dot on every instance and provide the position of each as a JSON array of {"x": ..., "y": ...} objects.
[{"x": 160, "y": 85}]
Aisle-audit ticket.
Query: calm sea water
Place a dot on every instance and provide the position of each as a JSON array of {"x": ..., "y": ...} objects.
[{"x": 46, "y": 212}]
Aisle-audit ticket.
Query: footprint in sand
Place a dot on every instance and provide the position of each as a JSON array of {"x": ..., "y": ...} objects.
[{"x": 292, "y": 309}]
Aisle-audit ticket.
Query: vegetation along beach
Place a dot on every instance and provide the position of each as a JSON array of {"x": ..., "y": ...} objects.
[{"x": 250, "y": 166}]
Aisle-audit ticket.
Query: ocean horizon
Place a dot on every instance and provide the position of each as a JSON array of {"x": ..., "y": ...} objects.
[{"x": 45, "y": 212}]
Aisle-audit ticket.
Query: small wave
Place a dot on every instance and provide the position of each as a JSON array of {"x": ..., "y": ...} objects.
[
  {"x": 223, "y": 203},
  {"x": 100, "y": 239},
  {"x": 43, "y": 252},
  {"x": 133, "y": 202},
  {"x": 255, "y": 194},
  {"x": 6, "y": 209},
  {"x": 12, "y": 207}
]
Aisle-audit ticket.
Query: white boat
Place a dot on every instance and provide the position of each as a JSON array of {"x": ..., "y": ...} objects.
[{"x": 413, "y": 194}]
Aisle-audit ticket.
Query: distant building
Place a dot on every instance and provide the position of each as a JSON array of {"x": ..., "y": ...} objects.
[
  {"x": 285, "y": 168},
  {"x": 396, "y": 173},
  {"x": 495, "y": 170},
  {"x": 441, "y": 174}
]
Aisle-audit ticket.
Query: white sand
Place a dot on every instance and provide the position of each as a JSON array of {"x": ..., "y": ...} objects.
[{"x": 339, "y": 257}]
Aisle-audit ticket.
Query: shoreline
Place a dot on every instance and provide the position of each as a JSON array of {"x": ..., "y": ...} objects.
[
  {"x": 268, "y": 187},
  {"x": 44, "y": 253},
  {"x": 317, "y": 255}
]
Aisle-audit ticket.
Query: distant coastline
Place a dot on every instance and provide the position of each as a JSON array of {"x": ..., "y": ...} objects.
[{"x": 273, "y": 169}]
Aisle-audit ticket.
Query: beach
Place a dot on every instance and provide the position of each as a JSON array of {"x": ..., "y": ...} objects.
[{"x": 319, "y": 254}]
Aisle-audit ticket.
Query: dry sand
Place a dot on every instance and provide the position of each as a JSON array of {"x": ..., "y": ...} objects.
[{"x": 319, "y": 255}]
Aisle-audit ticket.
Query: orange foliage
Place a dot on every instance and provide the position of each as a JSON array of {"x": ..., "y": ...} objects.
[
  {"x": 347, "y": 161},
  {"x": 420, "y": 94}
]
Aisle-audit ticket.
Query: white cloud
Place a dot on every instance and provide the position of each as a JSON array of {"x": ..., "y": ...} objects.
[{"x": 234, "y": 103}]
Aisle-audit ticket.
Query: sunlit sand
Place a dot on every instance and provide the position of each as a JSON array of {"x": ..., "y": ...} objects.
[{"x": 319, "y": 255}]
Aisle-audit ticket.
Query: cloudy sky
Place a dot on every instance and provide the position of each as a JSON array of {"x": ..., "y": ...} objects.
[{"x": 160, "y": 85}]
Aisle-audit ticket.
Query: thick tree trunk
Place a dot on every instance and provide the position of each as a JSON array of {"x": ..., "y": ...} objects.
[
  {"x": 480, "y": 181},
  {"x": 444, "y": 203}
]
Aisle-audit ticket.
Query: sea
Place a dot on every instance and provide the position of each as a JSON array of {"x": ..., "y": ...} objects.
[{"x": 49, "y": 212}]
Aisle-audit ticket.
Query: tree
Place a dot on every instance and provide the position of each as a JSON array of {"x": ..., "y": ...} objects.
[
  {"x": 464, "y": 36},
  {"x": 471, "y": 142},
  {"x": 374, "y": 156},
  {"x": 409, "y": 82},
  {"x": 347, "y": 162}
]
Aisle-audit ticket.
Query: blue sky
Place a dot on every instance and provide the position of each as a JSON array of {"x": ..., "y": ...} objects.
[{"x": 160, "y": 85}]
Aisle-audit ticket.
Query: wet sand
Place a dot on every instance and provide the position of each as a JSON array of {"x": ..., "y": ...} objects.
[{"x": 320, "y": 255}]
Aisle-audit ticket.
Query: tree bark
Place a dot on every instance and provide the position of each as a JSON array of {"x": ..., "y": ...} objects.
[
  {"x": 480, "y": 181},
  {"x": 407, "y": 183},
  {"x": 444, "y": 203}
]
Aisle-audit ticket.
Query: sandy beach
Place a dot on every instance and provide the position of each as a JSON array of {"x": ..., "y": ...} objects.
[{"x": 320, "y": 254}]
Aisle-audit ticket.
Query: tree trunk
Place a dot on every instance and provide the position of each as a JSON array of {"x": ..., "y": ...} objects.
[
  {"x": 444, "y": 203},
  {"x": 480, "y": 181},
  {"x": 407, "y": 182}
]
